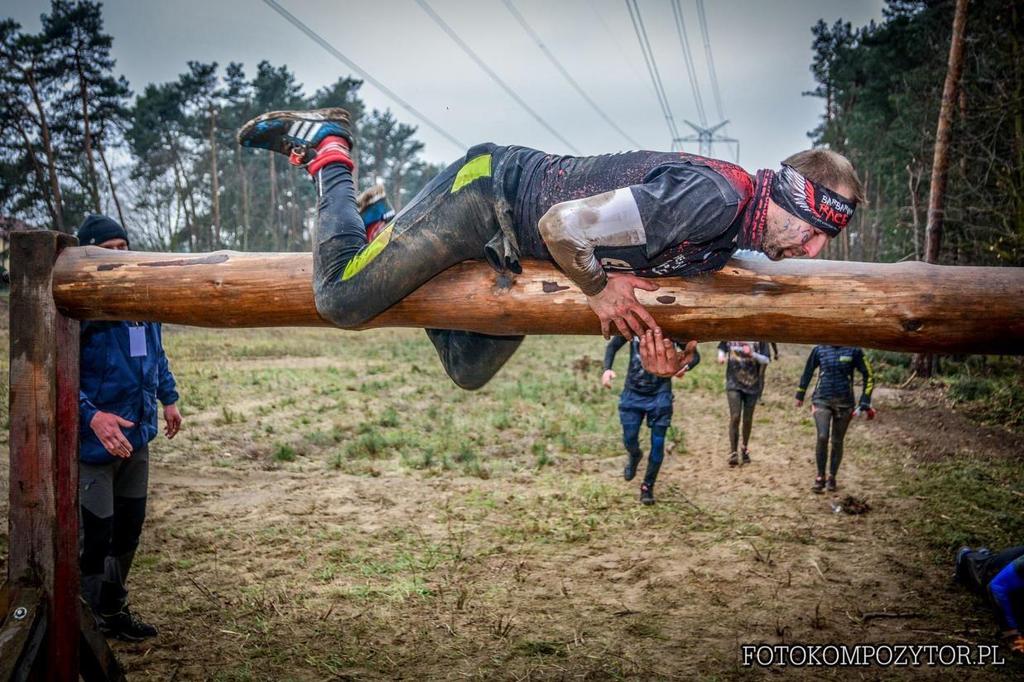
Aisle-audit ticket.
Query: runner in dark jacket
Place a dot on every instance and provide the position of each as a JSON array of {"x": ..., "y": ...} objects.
[
  {"x": 744, "y": 383},
  {"x": 636, "y": 214},
  {"x": 644, "y": 396},
  {"x": 1000, "y": 578},
  {"x": 832, "y": 402}
]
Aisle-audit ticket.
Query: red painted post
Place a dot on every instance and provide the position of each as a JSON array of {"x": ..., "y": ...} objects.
[{"x": 43, "y": 519}]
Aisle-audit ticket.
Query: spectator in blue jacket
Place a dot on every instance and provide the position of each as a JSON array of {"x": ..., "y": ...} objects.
[
  {"x": 124, "y": 372},
  {"x": 832, "y": 402},
  {"x": 645, "y": 396},
  {"x": 999, "y": 577}
]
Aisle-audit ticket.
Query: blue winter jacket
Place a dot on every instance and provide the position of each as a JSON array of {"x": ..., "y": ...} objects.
[{"x": 114, "y": 381}]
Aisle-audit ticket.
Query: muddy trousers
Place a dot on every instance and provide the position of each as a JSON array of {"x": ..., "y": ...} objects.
[
  {"x": 112, "y": 511},
  {"x": 831, "y": 416},
  {"x": 451, "y": 220},
  {"x": 741, "y": 404}
]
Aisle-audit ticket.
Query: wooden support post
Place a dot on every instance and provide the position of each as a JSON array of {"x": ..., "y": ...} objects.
[
  {"x": 43, "y": 519},
  {"x": 43, "y": 523}
]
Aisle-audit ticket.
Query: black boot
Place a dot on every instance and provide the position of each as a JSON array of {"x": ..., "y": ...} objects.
[
  {"x": 126, "y": 626},
  {"x": 632, "y": 462},
  {"x": 647, "y": 489}
]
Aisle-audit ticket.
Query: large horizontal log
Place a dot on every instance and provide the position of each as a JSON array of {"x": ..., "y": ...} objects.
[{"x": 908, "y": 306}]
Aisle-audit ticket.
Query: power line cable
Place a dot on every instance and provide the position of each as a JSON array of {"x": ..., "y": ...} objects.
[
  {"x": 613, "y": 38},
  {"x": 565, "y": 74},
  {"x": 322, "y": 42},
  {"x": 652, "y": 67},
  {"x": 479, "y": 62},
  {"x": 691, "y": 71},
  {"x": 710, "y": 58}
]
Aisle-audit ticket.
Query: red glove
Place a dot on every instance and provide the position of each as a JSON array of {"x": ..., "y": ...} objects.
[{"x": 868, "y": 412}]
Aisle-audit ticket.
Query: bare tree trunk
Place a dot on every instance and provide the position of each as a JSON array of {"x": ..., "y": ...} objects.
[
  {"x": 214, "y": 179},
  {"x": 51, "y": 158},
  {"x": 943, "y": 135},
  {"x": 110, "y": 181},
  {"x": 913, "y": 184},
  {"x": 90, "y": 163},
  {"x": 274, "y": 231},
  {"x": 185, "y": 194},
  {"x": 38, "y": 170},
  {"x": 244, "y": 180},
  {"x": 940, "y": 161}
]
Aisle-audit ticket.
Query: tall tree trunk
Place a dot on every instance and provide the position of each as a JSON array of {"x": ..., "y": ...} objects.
[
  {"x": 397, "y": 177},
  {"x": 90, "y": 163},
  {"x": 243, "y": 179},
  {"x": 110, "y": 181},
  {"x": 187, "y": 202},
  {"x": 214, "y": 179},
  {"x": 940, "y": 161},
  {"x": 876, "y": 225},
  {"x": 943, "y": 135},
  {"x": 51, "y": 158},
  {"x": 30, "y": 152},
  {"x": 913, "y": 184},
  {"x": 274, "y": 231}
]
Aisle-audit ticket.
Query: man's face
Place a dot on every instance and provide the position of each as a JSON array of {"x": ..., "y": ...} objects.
[
  {"x": 786, "y": 236},
  {"x": 115, "y": 244}
]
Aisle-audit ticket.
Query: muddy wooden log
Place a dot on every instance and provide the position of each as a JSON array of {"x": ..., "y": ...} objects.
[{"x": 906, "y": 307}]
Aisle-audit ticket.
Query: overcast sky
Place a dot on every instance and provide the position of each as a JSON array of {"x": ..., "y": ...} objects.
[{"x": 760, "y": 49}]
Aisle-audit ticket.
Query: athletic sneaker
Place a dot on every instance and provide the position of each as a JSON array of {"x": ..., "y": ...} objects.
[
  {"x": 126, "y": 626},
  {"x": 734, "y": 459},
  {"x": 746, "y": 456},
  {"x": 647, "y": 494},
  {"x": 295, "y": 134},
  {"x": 631, "y": 464},
  {"x": 819, "y": 484},
  {"x": 831, "y": 485}
]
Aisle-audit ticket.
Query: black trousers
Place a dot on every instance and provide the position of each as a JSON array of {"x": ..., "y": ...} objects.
[
  {"x": 977, "y": 569},
  {"x": 112, "y": 499},
  {"x": 456, "y": 217}
]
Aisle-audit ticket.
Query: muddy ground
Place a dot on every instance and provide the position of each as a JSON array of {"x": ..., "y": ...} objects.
[{"x": 335, "y": 508}]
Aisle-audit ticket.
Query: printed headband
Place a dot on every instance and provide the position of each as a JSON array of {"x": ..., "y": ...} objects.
[{"x": 807, "y": 200}]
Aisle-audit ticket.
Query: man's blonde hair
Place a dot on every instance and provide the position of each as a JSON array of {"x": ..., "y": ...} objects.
[{"x": 828, "y": 168}]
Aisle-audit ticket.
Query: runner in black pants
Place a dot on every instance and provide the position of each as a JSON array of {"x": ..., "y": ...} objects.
[
  {"x": 999, "y": 576},
  {"x": 832, "y": 402},
  {"x": 641, "y": 214},
  {"x": 744, "y": 383},
  {"x": 644, "y": 396}
]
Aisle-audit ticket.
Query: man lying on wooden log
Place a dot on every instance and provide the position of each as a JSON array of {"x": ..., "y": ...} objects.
[{"x": 609, "y": 222}]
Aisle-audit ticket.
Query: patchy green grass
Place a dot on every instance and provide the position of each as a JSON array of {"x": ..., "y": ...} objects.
[
  {"x": 968, "y": 502},
  {"x": 335, "y": 508}
]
